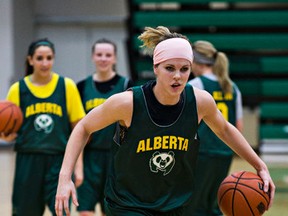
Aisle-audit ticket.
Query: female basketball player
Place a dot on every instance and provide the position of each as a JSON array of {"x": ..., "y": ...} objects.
[
  {"x": 154, "y": 158},
  {"x": 51, "y": 106},
  {"x": 210, "y": 67},
  {"x": 94, "y": 90}
]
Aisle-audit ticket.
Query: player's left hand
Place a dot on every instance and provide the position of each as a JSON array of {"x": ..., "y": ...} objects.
[
  {"x": 269, "y": 186},
  {"x": 65, "y": 189}
]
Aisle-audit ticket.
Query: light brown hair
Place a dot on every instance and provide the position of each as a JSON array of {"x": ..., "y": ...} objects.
[{"x": 220, "y": 66}]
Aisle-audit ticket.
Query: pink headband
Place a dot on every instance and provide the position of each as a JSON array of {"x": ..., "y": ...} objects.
[{"x": 172, "y": 48}]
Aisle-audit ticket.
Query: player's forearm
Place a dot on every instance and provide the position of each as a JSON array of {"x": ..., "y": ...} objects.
[
  {"x": 240, "y": 146},
  {"x": 74, "y": 147}
]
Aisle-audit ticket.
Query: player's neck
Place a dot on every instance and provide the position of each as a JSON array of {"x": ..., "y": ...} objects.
[
  {"x": 102, "y": 77},
  {"x": 40, "y": 80}
]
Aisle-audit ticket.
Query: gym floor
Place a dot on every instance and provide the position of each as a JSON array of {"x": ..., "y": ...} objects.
[{"x": 278, "y": 170}]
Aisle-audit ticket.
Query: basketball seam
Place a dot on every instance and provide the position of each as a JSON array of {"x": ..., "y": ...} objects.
[
  {"x": 255, "y": 191},
  {"x": 9, "y": 119},
  {"x": 247, "y": 202},
  {"x": 237, "y": 182},
  {"x": 6, "y": 108},
  {"x": 235, "y": 191},
  {"x": 14, "y": 122}
]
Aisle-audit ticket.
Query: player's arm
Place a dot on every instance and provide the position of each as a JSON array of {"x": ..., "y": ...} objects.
[
  {"x": 116, "y": 108},
  {"x": 73, "y": 102},
  {"x": 79, "y": 166},
  {"x": 229, "y": 134},
  {"x": 75, "y": 113}
]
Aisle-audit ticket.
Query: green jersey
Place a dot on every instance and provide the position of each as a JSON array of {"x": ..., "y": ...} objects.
[
  {"x": 46, "y": 126},
  {"x": 158, "y": 174},
  {"x": 226, "y": 103},
  {"x": 91, "y": 98}
]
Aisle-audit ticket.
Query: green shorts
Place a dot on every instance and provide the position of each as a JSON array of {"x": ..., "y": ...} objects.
[
  {"x": 96, "y": 167},
  {"x": 35, "y": 183}
]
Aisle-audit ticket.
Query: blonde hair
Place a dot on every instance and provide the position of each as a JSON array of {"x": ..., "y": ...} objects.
[
  {"x": 152, "y": 36},
  {"x": 220, "y": 66}
]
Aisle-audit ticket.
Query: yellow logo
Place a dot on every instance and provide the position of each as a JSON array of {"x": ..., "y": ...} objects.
[
  {"x": 218, "y": 95},
  {"x": 163, "y": 142},
  {"x": 43, "y": 108},
  {"x": 90, "y": 104}
]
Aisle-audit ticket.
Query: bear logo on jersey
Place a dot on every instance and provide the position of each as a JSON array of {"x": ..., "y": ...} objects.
[
  {"x": 163, "y": 162},
  {"x": 44, "y": 123}
]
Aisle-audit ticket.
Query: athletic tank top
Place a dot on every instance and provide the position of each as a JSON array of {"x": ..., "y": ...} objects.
[
  {"x": 46, "y": 126},
  {"x": 153, "y": 165},
  {"x": 226, "y": 103},
  {"x": 91, "y": 98}
]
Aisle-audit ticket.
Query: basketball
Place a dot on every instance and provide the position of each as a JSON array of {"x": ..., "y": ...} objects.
[
  {"x": 241, "y": 193},
  {"x": 11, "y": 117}
]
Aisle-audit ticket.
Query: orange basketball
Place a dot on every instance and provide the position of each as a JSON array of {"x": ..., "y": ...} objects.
[
  {"x": 11, "y": 117},
  {"x": 241, "y": 194}
]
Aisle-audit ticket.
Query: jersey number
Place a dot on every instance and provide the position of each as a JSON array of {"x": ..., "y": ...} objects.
[{"x": 223, "y": 108}]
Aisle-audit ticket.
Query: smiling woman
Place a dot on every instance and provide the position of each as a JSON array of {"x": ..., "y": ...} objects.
[
  {"x": 51, "y": 106},
  {"x": 40, "y": 61},
  {"x": 94, "y": 91}
]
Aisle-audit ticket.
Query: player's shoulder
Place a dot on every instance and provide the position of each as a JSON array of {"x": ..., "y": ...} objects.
[
  {"x": 202, "y": 96},
  {"x": 128, "y": 83},
  {"x": 15, "y": 85},
  {"x": 194, "y": 80},
  {"x": 81, "y": 82},
  {"x": 120, "y": 103},
  {"x": 122, "y": 98},
  {"x": 69, "y": 83},
  {"x": 123, "y": 95}
]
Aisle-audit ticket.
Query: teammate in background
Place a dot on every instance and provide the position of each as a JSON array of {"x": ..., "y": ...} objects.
[
  {"x": 211, "y": 70},
  {"x": 154, "y": 159},
  {"x": 94, "y": 90},
  {"x": 51, "y": 106}
]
